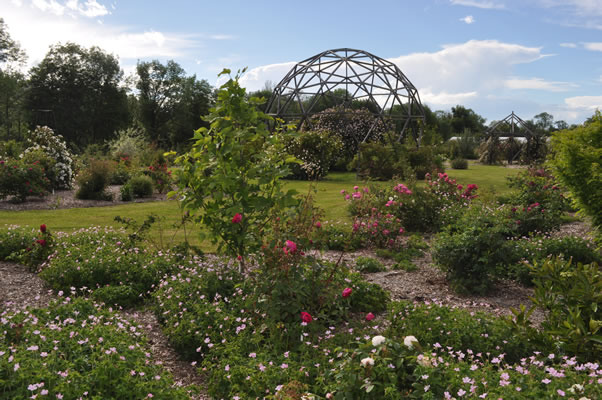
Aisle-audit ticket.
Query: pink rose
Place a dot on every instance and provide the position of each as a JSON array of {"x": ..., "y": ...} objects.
[
  {"x": 369, "y": 316},
  {"x": 347, "y": 292},
  {"x": 236, "y": 218},
  {"x": 306, "y": 317}
]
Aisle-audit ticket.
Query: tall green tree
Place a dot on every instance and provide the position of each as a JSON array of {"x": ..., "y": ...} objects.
[
  {"x": 82, "y": 89},
  {"x": 195, "y": 101},
  {"x": 161, "y": 89},
  {"x": 12, "y": 86},
  {"x": 464, "y": 119}
]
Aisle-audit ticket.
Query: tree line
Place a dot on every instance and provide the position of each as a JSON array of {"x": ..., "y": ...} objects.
[{"x": 83, "y": 95}]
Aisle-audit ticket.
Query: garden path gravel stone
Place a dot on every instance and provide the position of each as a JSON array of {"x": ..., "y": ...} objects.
[{"x": 20, "y": 288}]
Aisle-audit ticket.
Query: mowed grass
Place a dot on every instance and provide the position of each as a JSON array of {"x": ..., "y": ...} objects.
[{"x": 490, "y": 179}]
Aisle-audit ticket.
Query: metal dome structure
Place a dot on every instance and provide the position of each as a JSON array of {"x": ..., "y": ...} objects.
[{"x": 362, "y": 77}]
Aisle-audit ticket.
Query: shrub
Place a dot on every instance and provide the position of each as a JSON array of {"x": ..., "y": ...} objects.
[
  {"x": 576, "y": 163},
  {"x": 44, "y": 139},
  {"x": 159, "y": 174},
  {"x": 39, "y": 157},
  {"x": 20, "y": 179},
  {"x": 37, "y": 251},
  {"x": 94, "y": 180},
  {"x": 381, "y": 162},
  {"x": 369, "y": 264},
  {"x": 141, "y": 186},
  {"x": 336, "y": 237},
  {"x": 537, "y": 185},
  {"x": 128, "y": 144},
  {"x": 470, "y": 251},
  {"x": 121, "y": 173},
  {"x": 570, "y": 294},
  {"x": 351, "y": 126},
  {"x": 231, "y": 176},
  {"x": 456, "y": 329},
  {"x": 126, "y": 192},
  {"x": 424, "y": 161},
  {"x": 14, "y": 239},
  {"x": 74, "y": 349},
  {"x": 10, "y": 148},
  {"x": 316, "y": 150},
  {"x": 459, "y": 163}
]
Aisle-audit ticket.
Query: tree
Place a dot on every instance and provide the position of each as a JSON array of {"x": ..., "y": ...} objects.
[
  {"x": 12, "y": 85},
  {"x": 82, "y": 89},
  {"x": 10, "y": 51},
  {"x": 195, "y": 101},
  {"x": 544, "y": 122},
  {"x": 161, "y": 89},
  {"x": 465, "y": 118}
]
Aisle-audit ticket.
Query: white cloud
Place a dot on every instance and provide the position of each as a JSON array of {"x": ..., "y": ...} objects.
[
  {"x": 569, "y": 45},
  {"x": 469, "y": 19},
  {"x": 51, "y": 6},
  {"x": 37, "y": 29},
  {"x": 221, "y": 37},
  {"x": 90, "y": 9},
  {"x": 538, "y": 84},
  {"x": 593, "y": 46},
  {"x": 589, "y": 103},
  {"x": 446, "y": 99},
  {"x": 586, "y": 8},
  {"x": 256, "y": 78},
  {"x": 479, "y": 4}
]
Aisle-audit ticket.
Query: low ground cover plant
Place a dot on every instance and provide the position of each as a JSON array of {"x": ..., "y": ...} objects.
[
  {"x": 103, "y": 263},
  {"x": 76, "y": 348}
]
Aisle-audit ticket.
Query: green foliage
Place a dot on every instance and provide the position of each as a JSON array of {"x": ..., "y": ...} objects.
[
  {"x": 19, "y": 179},
  {"x": 381, "y": 162},
  {"x": 231, "y": 176},
  {"x": 537, "y": 185},
  {"x": 37, "y": 251},
  {"x": 126, "y": 192},
  {"x": 10, "y": 148},
  {"x": 336, "y": 237},
  {"x": 82, "y": 87},
  {"x": 14, "y": 239},
  {"x": 369, "y": 264},
  {"x": 316, "y": 150},
  {"x": 576, "y": 163},
  {"x": 92, "y": 259},
  {"x": 128, "y": 144},
  {"x": 456, "y": 329},
  {"x": 160, "y": 175},
  {"x": 405, "y": 265},
  {"x": 141, "y": 186},
  {"x": 374, "y": 370},
  {"x": 121, "y": 173},
  {"x": 571, "y": 295},
  {"x": 93, "y": 181},
  {"x": 43, "y": 139},
  {"x": 470, "y": 250},
  {"x": 99, "y": 355},
  {"x": 423, "y": 161},
  {"x": 459, "y": 163},
  {"x": 352, "y": 126}
]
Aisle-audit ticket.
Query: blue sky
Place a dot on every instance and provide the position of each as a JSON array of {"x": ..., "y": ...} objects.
[{"x": 494, "y": 56}]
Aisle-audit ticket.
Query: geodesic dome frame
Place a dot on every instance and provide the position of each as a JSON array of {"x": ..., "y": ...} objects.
[{"x": 363, "y": 76}]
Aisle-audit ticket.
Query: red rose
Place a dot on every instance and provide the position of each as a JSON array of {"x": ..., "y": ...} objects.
[
  {"x": 347, "y": 292},
  {"x": 306, "y": 317},
  {"x": 290, "y": 247},
  {"x": 236, "y": 218},
  {"x": 43, "y": 228},
  {"x": 41, "y": 242},
  {"x": 318, "y": 225},
  {"x": 369, "y": 316}
]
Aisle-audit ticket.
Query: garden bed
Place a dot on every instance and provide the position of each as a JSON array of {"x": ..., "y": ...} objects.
[{"x": 62, "y": 199}]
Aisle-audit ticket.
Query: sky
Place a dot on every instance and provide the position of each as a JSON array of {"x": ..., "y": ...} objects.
[{"x": 494, "y": 56}]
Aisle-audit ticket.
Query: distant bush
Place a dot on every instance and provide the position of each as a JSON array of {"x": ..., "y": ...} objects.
[
  {"x": 122, "y": 172},
  {"x": 126, "y": 192},
  {"x": 159, "y": 173},
  {"x": 94, "y": 180},
  {"x": 369, "y": 264},
  {"x": 19, "y": 179},
  {"x": 317, "y": 151},
  {"x": 423, "y": 160},
  {"x": 128, "y": 144},
  {"x": 44, "y": 139},
  {"x": 141, "y": 186},
  {"x": 459, "y": 163},
  {"x": 381, "y": 162},
  {"x": 10, "y": 149}
]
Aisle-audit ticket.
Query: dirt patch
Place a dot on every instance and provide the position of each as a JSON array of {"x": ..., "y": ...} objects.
[
  {"x": 66, "y": 199},
  {"x": 20, "y": 288}
]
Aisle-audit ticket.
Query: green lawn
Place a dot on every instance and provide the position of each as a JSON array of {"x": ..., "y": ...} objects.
[{"x": 490, "y": 179}]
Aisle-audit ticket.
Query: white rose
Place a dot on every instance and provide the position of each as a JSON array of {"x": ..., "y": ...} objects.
[
  {"x": 408, "y": 341},
  {"x": 367, "y": 361},
  {"x": 377, "y": 340}
]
